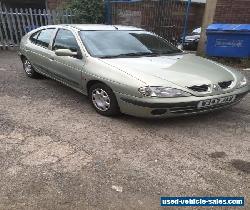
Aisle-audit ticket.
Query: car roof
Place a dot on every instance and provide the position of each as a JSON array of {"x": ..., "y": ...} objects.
[{"x": 102, "y": 27}]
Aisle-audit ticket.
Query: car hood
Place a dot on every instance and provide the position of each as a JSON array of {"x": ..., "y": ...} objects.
[{"x": 183, "y": 70}]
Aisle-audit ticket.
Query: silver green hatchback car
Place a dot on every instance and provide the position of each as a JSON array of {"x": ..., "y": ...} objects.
[{"x": 129, "y": 70}]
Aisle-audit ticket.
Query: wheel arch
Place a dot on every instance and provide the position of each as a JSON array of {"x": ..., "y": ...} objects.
[
  {"x": 22, "y": 57},
  {"x": 92, "y": 82}
]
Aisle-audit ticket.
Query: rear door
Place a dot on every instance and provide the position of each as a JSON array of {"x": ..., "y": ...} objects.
[
  {"x": 38, "y": 51},
  {"x": 68, "y": 68}
]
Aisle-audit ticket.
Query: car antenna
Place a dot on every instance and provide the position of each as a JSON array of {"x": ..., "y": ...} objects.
[{"x": 116, "y": 27}]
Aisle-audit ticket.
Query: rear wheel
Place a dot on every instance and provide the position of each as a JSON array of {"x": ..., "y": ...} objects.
[
  {"x": 103, "y": 100},
  {"x": 29, "y": 70}
]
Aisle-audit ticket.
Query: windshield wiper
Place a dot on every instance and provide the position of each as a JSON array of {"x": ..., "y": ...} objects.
[{"x": 130, "y": 54}]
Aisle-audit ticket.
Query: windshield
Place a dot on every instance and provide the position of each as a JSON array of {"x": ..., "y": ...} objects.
[{"x": 105, "y": 44}]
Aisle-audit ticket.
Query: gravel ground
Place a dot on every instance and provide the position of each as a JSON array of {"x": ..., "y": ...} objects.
[{"x": 56, "y": 152}]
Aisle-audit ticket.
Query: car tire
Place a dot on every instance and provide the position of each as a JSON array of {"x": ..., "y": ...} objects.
[
  {"x": 29, "y": 69},
  {"x": 103, "y": 100}
]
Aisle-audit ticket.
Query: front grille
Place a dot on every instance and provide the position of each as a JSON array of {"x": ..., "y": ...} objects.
[
  {"x": 225, "y": 85},
  {"x": 201, "y": 88},
  {"x": 183, "y": 110}
]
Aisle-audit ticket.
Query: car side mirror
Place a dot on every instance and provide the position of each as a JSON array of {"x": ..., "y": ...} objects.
[{"x": 65, "y": 52}]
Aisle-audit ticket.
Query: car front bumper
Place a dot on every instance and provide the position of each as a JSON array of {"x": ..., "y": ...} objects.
[{"x": 171, "y": 107}]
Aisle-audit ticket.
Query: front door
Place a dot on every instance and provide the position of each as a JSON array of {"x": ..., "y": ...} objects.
[{"x": 66, "y": 68}]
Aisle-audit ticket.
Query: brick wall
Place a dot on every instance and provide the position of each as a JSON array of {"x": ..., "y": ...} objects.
[
  {"x": 53, "y": 4},
  {"x": 232, "y": 11},
  {"x": 34, "y": 4},
  {"x": 165, "y": 18},
  {"x": 196, "y": 16}
]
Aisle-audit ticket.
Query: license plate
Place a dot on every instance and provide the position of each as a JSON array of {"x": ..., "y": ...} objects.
[{"x": 216, "y": 101}]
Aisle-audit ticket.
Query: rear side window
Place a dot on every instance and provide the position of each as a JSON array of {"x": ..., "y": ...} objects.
[
  {"x": 65, "y": 39},
  {"x": 33, "y": 37},
  {"x": 44, "y": 37}
]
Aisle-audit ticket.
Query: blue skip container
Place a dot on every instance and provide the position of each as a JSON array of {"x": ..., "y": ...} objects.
[{"x": 228, "y": 40}]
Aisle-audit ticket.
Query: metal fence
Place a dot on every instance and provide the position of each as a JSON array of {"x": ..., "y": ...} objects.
[
  {"x": 15, "y": 23},
  {"x": 164, "y": 17}
]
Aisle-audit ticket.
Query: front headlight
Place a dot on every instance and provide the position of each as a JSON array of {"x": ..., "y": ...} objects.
[
  {"x": 243, "y": 82},
  {"x": 163, "y": 92}
]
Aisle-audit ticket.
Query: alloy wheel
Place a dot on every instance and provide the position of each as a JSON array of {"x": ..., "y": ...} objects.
[{"x": 100, "y": 99}]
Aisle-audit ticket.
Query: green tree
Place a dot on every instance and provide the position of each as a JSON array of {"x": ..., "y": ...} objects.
[{"x": 87, "y": 11}]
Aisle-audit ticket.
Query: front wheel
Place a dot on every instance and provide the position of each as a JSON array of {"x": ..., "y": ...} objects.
[{"x": 103, "y": 99}]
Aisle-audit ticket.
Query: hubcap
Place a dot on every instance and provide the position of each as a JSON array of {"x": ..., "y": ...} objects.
[
  {"x": 100, "y": 99},
  {"x": 27, "y": 67}
]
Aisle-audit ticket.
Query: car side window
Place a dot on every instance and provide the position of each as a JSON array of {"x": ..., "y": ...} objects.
[
  {"x": 33, "y": 37},
  {"x": 45, "y": 36},
  {"x": 65, "y": 39}
]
